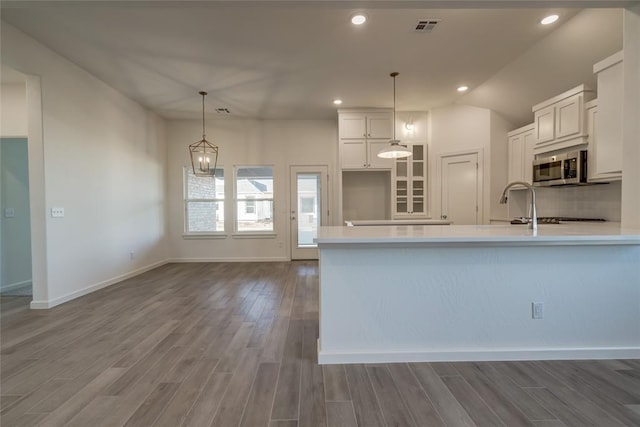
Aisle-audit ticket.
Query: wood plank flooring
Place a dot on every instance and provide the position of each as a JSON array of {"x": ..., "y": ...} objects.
[{"x": 234, "y": 344}]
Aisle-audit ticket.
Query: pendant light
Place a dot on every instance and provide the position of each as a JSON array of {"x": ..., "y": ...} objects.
[
  {"x": 203, "y": 153},
  {"x": 394, "y": 150}
]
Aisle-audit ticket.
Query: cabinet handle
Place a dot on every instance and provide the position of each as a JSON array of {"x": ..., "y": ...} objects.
[
  {"x": 364, "y": 165},
  {"x": 368, "y": 134},
  {"x": 443, "y": 216},
  {"x": 364, "y": 134}
]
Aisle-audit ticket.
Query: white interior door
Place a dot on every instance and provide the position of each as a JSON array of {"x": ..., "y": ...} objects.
[
  {"x": 309, "y": 209},
  {"x": 460, "y": 188}
]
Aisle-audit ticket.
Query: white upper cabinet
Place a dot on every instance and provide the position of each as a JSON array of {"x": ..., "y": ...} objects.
[
  {"x": 560, "y": 122},
  {"x": 362, "y": 134},
  {"x": 521, "y": 144},
  {"x": 605, "y": 148},
  {"x": 366, "y": 125},
  {"x": 409, "y": 184}
]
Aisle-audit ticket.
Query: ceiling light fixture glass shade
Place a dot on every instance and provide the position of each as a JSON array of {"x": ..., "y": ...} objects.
[
  {"x": 358, "y": 19},
  {"x": 394, "y": 150},
  {"x": 203, "y": 154},
  {"x": 549, "y": 19}
]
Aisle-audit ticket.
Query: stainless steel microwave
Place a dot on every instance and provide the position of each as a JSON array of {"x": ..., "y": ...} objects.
[{"x": 563, "y": 169}]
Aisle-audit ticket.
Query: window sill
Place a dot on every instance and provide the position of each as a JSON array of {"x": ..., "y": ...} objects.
[
  {"x": 204, "y": 236},
  {"x": 249, "y": 235}
]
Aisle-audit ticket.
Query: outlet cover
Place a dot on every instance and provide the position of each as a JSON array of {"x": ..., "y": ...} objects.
[
  {"x": 537, "y": 310},
  {"x": 57, "y": 212},
  {"x": 9, "y": 212}
]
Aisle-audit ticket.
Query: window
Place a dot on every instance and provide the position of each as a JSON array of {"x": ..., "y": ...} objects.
[
  {"x": 204, "y": 202},
  {"x": 254, "y": 198}
]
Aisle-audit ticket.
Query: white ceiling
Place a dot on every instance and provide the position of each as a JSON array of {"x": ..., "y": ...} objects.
[{"x": 280, "y": 60}]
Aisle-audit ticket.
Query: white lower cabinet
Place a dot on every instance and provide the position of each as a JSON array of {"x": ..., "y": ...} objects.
[{"x": 409, "y": 185}]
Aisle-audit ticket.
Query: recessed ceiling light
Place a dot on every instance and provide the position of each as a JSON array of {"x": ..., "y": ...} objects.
[
  {"x": 337, "y": 101},
  {"x": 358, "y": 19},
  {"x": 463, "y": 88},
  {"x": 549, "y": 20}
]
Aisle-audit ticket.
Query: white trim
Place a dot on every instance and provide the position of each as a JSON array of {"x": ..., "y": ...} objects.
[
  {"x": 44, "y": 304},
  {"x": 17, "y": 285},
  {"x": 254, "y": 235},
  {"x": 196, "y": 236},
  {"x": 231, "y": 259},
  {"x": 327, "y": 358}
]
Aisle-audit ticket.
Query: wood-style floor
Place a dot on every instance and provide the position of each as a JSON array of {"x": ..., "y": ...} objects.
[{"x": 235, "y": 345}]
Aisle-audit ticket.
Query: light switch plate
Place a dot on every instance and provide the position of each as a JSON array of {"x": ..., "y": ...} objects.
[
  {"x": 9, "y": 212},
  {"x": 57, "y": 212}
]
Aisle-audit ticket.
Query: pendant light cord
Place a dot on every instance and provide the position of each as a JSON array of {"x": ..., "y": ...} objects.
[
  {"x": 394, "y": 74},
  {"x": 203, "y": 133}
]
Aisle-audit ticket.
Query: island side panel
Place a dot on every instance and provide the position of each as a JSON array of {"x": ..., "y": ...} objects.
[{"x": 400, "y": 304}]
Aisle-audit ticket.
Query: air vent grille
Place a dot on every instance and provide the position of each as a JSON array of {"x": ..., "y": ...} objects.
[
  {"x": 223, "y": 111},
  {"x": 426, "y": 25}
]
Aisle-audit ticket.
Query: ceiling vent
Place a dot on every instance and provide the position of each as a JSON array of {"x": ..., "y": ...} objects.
[
  {"x": 425, "y": 25},
  {"x": 223, "y": 111}
]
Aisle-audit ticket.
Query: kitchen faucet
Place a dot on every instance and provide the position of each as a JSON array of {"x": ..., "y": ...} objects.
[{"x": 534, "y": 218}]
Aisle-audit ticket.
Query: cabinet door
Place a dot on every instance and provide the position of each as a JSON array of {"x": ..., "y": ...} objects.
[
  {"x": 610, "y": 112},
  {"x": 354, "y": 154},
  {"x": 374, "y": 161},
  {"x": 379, "y": 125},
  {"x": 529, "y": 142},
  {"x": 545, "y": 124},
  {"x": 353, "y": 126},
  {"x": 516, "y": 155},
  {"x": 418, "y": 181},
  {"x": 569, "y": 117}
]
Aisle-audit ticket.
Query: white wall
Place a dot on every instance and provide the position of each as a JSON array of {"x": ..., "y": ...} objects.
[
  {"x": 631, "y": 125},
  {"x": 498, "y": 167},
  {"x": 104, "y": 160},
  {"x": 366, "y": 195},
  {"x": 13, "y": 110},
  {"x": 280, "y": 143},
  {"x": 460, "y": 128}
]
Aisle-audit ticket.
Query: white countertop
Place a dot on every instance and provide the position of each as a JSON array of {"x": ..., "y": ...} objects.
[
  {"x": 482, "y": 235},
  {"x": 361, "y": 222}
]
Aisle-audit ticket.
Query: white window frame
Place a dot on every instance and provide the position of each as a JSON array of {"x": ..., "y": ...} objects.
[
  {"x": 202, "y": 234},
  {"x": 253, "y": 233}
]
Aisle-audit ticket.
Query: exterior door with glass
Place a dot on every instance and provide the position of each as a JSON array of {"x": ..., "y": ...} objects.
[{"x": 309, "y": 209}]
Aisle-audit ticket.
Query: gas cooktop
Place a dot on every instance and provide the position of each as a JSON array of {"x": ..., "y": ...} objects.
[{"x": 556, "y": 220}]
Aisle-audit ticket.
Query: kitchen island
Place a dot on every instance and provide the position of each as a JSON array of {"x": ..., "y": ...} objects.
[{"x": 453, "y": 293}]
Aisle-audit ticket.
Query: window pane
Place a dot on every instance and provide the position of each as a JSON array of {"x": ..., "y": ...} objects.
[
  {"x": 205, "y": 187},
  {"x": 256, "y": 217},
  {"x": 205, "y": 216},
  {"x": 254, "y": 198},
  {"x": 308, "y": 209}
]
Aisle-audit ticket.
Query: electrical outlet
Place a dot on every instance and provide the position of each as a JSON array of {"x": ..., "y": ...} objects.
[
  {"x": 537, "y": 310},
  {"x": 132, "y": 255},
  {"x": 57, "y": 212},
  {"x": 9, "y": 212}
]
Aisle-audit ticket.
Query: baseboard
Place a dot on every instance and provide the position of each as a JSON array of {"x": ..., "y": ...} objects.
[
  {"x": 231, "y": 259},
  {"x": 44, "y": 304},
  {"x": 15, "y": 286},
  {"x": 328, "y": 358}
]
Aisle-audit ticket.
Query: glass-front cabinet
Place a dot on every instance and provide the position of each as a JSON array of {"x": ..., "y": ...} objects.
[{"x": 409, "y": 196}]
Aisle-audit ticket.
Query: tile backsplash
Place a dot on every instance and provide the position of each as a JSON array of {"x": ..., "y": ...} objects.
[{"x": 590, "y": 201}]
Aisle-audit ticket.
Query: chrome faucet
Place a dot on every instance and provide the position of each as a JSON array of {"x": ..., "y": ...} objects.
[{"x": 534, "y": 217}]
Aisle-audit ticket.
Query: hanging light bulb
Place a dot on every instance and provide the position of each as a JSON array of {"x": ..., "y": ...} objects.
[
  {"x": 394, "y": 150},
  {"x": 202, "y": 152}
]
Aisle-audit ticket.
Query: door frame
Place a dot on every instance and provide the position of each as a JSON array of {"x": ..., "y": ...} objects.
[
  {"x": 479, "y": 185},
  {"x": 325, "y": 206}
]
